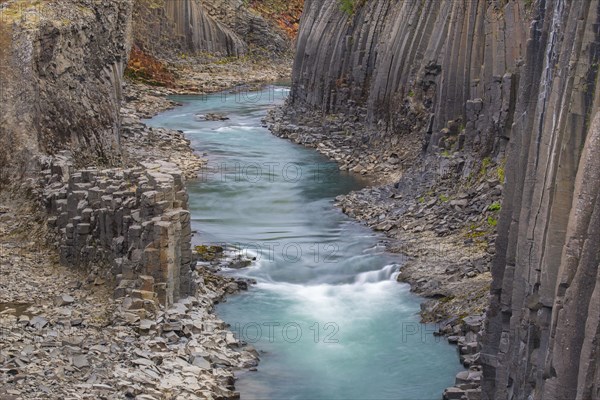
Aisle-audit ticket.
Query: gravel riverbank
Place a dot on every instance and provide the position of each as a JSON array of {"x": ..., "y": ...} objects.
[{"x": 63, "y": 335}]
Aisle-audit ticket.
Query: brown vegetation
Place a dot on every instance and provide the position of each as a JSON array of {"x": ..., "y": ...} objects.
[
  {"x": 148, "y": 69},
  {"x": 286, "y": 13}
]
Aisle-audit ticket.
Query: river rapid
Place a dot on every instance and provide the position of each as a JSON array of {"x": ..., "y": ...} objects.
[{"x": 326, "y": 315}]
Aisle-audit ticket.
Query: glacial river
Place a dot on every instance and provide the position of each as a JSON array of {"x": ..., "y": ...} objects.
[{"x": 327, "y": 316}]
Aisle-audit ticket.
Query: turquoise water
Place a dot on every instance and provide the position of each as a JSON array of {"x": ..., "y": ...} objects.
[{"x": 327, "y": 316}]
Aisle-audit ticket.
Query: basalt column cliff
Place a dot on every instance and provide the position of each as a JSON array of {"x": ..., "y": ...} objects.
[
  {"x": 512, "y": 80},
  {"x": 413, "y": 66},
  {"x": 543, "y": 330},
  {"x": 95, "y": 232}
]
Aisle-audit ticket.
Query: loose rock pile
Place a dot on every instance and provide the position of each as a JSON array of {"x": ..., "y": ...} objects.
[
  {"x": 142, "y": 143},
  {"x": 345, "y": 140},
  {"x": 445, "y": 238},
  {"x": 466, "y": 334}
]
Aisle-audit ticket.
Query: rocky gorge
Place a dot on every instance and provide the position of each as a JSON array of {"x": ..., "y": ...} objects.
[
  {"x": 477, "y": 123},
  {"x": 467, "y": 109}
]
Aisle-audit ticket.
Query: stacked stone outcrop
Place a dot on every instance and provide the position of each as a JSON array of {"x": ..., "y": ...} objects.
[{"x": 134, "y": 222}]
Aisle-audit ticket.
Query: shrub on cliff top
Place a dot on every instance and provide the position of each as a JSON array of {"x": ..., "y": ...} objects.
[{"x": 350, "y": 6}]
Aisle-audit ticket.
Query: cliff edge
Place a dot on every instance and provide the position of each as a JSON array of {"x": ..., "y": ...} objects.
[{"x": 62, "y": 67}]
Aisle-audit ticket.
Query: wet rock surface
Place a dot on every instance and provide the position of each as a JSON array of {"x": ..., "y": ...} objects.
[
  {"x": 212, "y": 117},
  {"x": 466, "y": 334}
]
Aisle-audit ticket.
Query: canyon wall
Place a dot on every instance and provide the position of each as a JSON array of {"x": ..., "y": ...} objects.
[
  {"x": 62, "y": 65},
  {"x": 543, "y": 322},
  {"x": 500, "y": 79},
  {"x": 62, "y": 77},
  {"x": 414, "y": 65},
  {"x": 171, "y": 29}
]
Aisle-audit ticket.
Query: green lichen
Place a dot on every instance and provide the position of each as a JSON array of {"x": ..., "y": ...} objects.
[
  {"x": 209, "y": 253},
  {"x": 347, "y": 6},
  {"x": 501, "y": 171},
  {"x": 495, "y": 207},
  {"x": 501, "y": 174},
  {"x": 485, "y": 163}
]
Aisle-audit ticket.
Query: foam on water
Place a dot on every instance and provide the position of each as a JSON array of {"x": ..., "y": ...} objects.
[
  {"x": 229, "y": 129},
  {"x": 384, "y": 274}
]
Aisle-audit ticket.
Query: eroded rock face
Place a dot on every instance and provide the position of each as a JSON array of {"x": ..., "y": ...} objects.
[
  {"x": 132, "y": 222},
  {"x": 170, "y": 29},
  {"x": 61, "y": 78},
  {"x": 255, "y": 30},
  {"x": 202, "y": 32}
]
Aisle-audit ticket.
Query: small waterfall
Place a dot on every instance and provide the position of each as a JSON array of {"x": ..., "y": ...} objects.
[{"x": 384, "y": 274}]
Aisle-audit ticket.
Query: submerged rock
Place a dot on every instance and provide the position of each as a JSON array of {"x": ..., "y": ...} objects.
[{"x": 211, "y": 117}]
